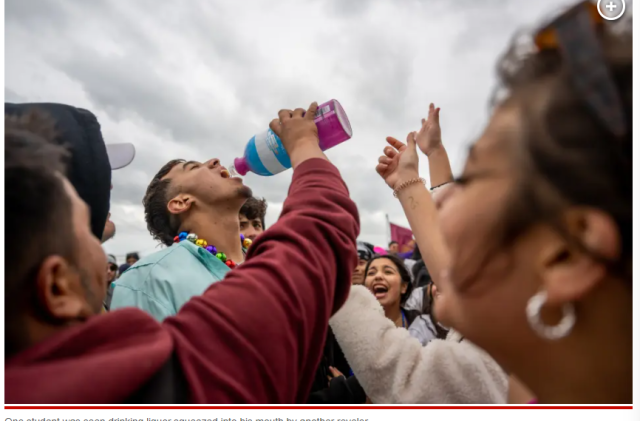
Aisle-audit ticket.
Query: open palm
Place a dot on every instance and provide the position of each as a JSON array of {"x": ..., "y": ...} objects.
[{"x": 429, "y": 137}]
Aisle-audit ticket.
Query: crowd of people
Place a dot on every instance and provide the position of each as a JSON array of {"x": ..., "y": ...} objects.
[{"x": 518, "y": 289}]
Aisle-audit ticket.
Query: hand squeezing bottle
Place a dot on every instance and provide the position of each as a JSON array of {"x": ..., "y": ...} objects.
[{"x": 265, "y": 154}]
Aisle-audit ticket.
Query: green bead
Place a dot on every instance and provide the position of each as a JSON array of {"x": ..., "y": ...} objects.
[
  {"x": 219, "y": 256},
  {"x": 223, "y": 257}
]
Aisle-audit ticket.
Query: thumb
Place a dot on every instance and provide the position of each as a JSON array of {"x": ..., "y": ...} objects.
[
  {"x": 276, "y": 127},
  {"x": 411, "y": 141}
]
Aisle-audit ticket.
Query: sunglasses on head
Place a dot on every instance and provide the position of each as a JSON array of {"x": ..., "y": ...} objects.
[{"x": 575, "y": 34}]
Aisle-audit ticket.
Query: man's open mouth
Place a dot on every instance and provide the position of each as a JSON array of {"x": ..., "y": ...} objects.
[{"x": 225, "y": 174}]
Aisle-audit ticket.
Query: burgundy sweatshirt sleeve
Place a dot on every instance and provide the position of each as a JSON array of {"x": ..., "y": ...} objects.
[{"x": 257, "y": 336}]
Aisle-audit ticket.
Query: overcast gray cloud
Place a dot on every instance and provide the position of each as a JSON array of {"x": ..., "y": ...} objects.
[{"x": 196, "y": 79}]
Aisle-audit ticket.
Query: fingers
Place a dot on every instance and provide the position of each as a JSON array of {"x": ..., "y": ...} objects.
[
  {"x": 411, "y": 141},
  {"x": 381, "y": 169},
  {"x": 424, "y": 121},
  {"x": 411, "y": 137},
  {"x": 284, "y": 115},
  {"x": 311, "y": 112},
  {"x": 437, "y": 115},
  {"x": 335, "y": 372},
  {"x": 275, "y": 126},
  {"x": 385, "y": 160},
  {"x": 431, "y": 109},
  {"x": 390, "y": 152},
  {"x": 396, "y": 143},
  {"x": 298, "y": 112}
]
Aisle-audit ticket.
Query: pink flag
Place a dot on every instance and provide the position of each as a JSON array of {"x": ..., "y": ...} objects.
[{"x": 403, "y": 236}]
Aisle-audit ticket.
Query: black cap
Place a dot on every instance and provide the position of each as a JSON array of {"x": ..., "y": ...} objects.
[{"x": 88, "y": 170}]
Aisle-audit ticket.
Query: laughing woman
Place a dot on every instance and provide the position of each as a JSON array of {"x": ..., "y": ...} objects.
[{"x": 388, "y": 279}]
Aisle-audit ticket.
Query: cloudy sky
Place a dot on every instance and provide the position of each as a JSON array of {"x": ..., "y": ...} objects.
[{"x": 196, "y": 79}]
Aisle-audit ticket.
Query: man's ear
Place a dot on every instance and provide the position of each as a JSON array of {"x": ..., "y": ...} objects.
[
  {"x": 180, "y": 203},
  {"x": 59, "y": 292},
  {"x": 403, "y": 288},
  {"x": 569, "y": 273}
]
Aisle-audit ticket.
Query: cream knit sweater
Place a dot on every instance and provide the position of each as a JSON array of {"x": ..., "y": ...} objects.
[{"x": 394, "y": 368}]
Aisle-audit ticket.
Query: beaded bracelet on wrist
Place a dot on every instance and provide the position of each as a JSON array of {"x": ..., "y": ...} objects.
[{"x": 406, "y": 184}]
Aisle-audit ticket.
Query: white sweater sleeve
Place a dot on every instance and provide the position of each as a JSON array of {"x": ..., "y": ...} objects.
[{"x": 394, "y": 367}]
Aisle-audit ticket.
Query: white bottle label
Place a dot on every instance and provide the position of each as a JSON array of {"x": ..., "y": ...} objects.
[{"x": 264, "y": 147}]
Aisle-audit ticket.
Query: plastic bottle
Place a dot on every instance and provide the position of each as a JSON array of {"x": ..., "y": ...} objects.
[{"x": 265, "y": 154}]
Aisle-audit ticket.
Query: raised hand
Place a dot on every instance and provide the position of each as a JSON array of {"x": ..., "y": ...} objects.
[
  {"x": 299, "y": 134},
  {"x": 399, "y": 162},
  {"x": 429, "y": 137},
  {"x": 295, "y": 126}
]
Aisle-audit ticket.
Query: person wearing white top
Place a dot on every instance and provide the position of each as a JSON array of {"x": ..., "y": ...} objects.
[{"x": 394, "y": 368}]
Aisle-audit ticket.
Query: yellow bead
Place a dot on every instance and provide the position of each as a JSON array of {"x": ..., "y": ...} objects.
[
  {"x": 200, "y": 242},
  {"x": 246, "y": 243}
]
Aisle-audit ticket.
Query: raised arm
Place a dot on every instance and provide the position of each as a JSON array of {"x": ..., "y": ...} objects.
[
  {"x": 399, "y": 168},
  {"x": 393, "y": 367},
  {"x": 257, "y": 336}
]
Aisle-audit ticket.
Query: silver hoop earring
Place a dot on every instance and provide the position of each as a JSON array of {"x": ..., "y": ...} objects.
[{"x": 551, "y": 333}]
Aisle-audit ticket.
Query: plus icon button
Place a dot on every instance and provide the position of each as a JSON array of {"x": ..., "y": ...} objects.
[{"x": 611, "y": 9}]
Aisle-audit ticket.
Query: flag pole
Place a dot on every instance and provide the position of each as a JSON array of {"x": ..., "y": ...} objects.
[{"x": 388, "y": 229}]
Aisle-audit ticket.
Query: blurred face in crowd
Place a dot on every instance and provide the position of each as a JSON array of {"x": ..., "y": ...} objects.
[
  {"x": 537, "y": 257},
  {"x": 384, "y": 281},
  {"x": 469, "y": 213},
  {"x": 112, "y": 271},
  {"x": 75, "y": 291},
  {"x": 131, "y": 260},
  {"x": 393, "y": 248},
  {"x": 205, "y": 184},
  {"x": 250, "y": 228},
  {"x": 358, "y": 275}
]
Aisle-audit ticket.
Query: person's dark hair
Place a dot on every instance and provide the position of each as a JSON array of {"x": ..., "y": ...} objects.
[
  {"x": 427, "y": 311},
  {"x": 421, "y": 276},
  {"x": 38, "y": 211},
  {"x": 405, "y": 277},
  {"x": 416, "y": 253},
  {"x": 133, "y": 255},
  {"x": 392, "y": 243},
  {"x": 255, "y": 208},
  {"x": 161, "y": 223},
  {"x": 568, "y": 157}
]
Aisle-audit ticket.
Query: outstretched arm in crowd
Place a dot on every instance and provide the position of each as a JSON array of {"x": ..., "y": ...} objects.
[
  {"x": 393, "y": 367},
  {"x": 399, "y": 169},
  {"x": 257, "y": 337}
]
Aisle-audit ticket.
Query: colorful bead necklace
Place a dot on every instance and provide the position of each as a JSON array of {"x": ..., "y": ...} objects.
[{"x": 192, "y": 237}]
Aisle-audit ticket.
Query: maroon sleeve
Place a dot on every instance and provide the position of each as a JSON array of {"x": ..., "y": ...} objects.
[{"x": 257, "y": 336}]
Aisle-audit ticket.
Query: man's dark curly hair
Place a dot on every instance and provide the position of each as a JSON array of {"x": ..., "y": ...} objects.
[
  {"x": 255, "y": 208},
  {"x": 161, "y": 223}
]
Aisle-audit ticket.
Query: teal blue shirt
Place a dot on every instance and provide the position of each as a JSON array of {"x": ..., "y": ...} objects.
[{"x": 163, "y": 282}]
